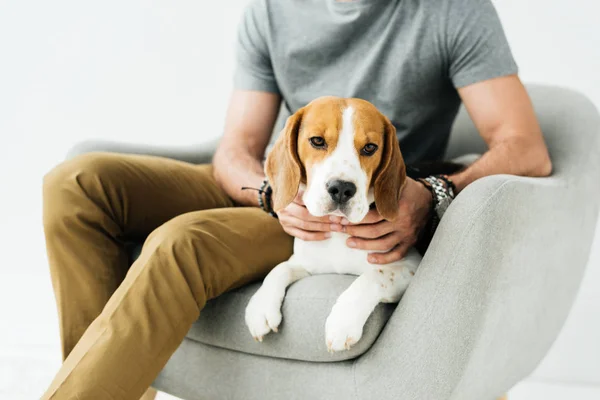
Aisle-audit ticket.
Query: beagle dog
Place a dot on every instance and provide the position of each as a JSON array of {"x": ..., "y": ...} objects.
[{"x": 344, "y": 155}]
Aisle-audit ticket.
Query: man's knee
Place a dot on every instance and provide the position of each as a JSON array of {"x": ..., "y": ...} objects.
[
  {"x": 193, "y": 243},
  {"x": 72, "y": 182},
  {"x": 183, "y": 246},
  {"x": 171, "y": 233},
  {"x": 183, "y": 233}
]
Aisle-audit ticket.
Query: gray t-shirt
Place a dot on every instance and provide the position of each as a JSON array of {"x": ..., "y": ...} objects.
[{"x": 407, "y": 57}]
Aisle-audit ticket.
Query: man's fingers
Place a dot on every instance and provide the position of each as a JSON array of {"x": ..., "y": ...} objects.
[
  {"x": 301, "y": 212},
  {"x": 307, "y": 235},
  {"x": 372, "y": 217},
  {"x": 395, "y": 254},
  {"x": 304, "y": 225},
  {"x": 369, "y": 231},
  {"x": 384, "y": 243}
]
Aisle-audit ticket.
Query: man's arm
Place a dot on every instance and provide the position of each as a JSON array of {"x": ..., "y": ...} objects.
[
  {"x": 503, "y": 114},
  {"x": 238, "y": 160}
]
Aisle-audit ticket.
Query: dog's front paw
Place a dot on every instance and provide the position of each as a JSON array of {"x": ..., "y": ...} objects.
[
  {"x": 263, "y": 313},
  {"x": 343, "y": 328}
]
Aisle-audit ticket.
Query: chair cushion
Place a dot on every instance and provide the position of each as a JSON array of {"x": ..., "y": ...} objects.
[{"x": 301, "y": 334}]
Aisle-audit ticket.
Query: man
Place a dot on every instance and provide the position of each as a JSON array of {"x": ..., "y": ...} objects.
[{"x": 414, "y": 59}]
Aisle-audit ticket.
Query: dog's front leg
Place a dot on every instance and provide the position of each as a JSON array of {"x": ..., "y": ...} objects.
[
  {"x": 263, "y": 313},
  {"x": 387, "y": 283}
]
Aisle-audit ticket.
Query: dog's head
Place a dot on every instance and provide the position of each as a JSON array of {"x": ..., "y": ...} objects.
[{"x": 345, "y": 152}]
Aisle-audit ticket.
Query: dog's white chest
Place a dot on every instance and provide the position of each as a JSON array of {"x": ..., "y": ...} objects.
[{"x": 330, "y": 256}]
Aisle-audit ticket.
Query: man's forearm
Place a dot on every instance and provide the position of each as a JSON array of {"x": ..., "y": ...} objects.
[
  {"x": 235, "y": 168},
  {"x": 515, "y": 156}
]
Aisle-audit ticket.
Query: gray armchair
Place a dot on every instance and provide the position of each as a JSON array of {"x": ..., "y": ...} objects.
[{"x": 489, "y": 299}]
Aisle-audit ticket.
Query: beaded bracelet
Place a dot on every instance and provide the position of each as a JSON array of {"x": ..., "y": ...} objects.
[{"x": 266, "y": 203}]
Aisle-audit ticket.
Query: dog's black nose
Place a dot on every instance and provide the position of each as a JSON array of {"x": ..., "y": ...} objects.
[{"x": 341, "y": 191}]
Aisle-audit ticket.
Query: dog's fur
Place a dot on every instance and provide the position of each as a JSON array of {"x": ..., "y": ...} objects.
[{"x": 346, "y": 125}]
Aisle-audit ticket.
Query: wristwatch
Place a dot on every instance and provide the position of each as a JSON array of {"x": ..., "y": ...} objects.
[{"x": 442, "y": 192}]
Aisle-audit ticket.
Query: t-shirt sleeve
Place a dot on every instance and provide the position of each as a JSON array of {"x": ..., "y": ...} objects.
[
  {"x": 253, "y": 70},
  {"x": 476, "y": 43}
]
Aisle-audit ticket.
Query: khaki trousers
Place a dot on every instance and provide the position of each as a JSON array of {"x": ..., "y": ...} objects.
[{"x": 119, "y": 324}]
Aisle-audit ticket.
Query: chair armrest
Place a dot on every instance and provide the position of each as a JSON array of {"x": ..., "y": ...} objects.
[
  {"x": 198, "y": 154},
  {"x": 490, "y": 296}
]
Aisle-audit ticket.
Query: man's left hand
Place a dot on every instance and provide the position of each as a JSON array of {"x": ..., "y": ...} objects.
[{"x": 390, "y": 240}]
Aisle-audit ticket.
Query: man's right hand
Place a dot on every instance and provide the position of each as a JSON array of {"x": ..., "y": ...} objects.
[{"x": 298, "y": 222}]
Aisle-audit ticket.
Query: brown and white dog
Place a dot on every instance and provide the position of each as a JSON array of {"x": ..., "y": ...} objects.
[{"x": 344, "y": 155}]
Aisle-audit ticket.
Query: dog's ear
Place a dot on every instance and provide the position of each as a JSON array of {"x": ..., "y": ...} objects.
[
  {"x": 283, "y": 167},
  {"x": 390, "y": 177}
]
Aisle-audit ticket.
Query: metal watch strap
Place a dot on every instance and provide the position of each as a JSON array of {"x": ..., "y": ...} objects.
[{"x": 443, "y": 193}]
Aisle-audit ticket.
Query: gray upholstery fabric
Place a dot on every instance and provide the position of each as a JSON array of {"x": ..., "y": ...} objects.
[
  {"x": 301, "y": 336},
  {"x": 200, "y": 372},
  {"x": 302, "y": 333},
  {"x": 198, "y": 154},
  {"x": 489, "y": 299}
]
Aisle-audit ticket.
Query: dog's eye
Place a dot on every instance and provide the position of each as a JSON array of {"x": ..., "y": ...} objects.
[
  {"x": 369, "y": 149},
  {"x": 318, "y": 142}
]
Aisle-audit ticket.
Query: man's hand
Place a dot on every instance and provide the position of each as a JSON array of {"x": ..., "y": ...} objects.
[
  {"x": 298, "y": 222},
  {"x": 391, "y": 240}
]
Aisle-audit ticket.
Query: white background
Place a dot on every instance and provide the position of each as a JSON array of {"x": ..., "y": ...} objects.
[{"x": 159, "y": 72}]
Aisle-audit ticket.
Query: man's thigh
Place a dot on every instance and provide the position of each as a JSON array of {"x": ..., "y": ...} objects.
[
  {"x": 230, "y": 246},
  {"x": 137, "y": 193}
]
